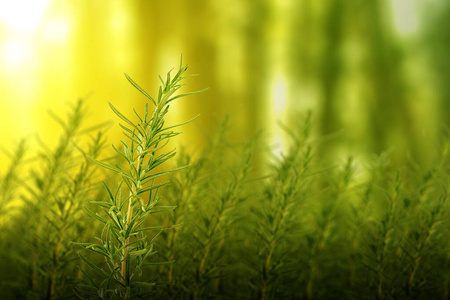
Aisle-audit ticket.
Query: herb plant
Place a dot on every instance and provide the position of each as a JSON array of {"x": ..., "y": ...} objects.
[
  {"x": 294, "y": 228},
  {"x": 10, "y": 182},
  {"x": 123, "y": 241},
  {"x": 49, "y": 218}
]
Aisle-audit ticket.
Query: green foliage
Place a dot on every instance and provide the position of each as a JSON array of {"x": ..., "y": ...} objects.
[
  {"x": 305, "y": 230},
  {"x": 40, "y": 236},
  {"x": 208, "y": 196},
  {"x": 123, "y": 242},
  {"x": 10, "y": 182},
  {"x": 295, "y": 228},
  {"x": 10, "y": 189}
]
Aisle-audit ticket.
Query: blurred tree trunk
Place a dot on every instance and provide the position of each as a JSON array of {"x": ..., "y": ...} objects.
[
  {"x": 255, "y": 64},
  {"x": 437, "y": 43},
  {"x": 301, "y": 44},
  {"x": 388, "y": 111},
  {"x": 331, "y": 67},
  {"x": 200, "y": 47}
]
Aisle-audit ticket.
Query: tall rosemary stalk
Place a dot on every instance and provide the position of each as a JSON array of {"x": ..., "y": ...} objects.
[
  {"x": 124, "y": 243},
  {"x": 10, "y": 181},
  {"x": 10, "y": 191},
  {"x": 41, "y": 235}
]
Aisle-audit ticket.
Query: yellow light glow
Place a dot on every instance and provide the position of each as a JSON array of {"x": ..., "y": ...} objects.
[
  {"x": 57, "y": 30},
  {"x": 405, "y": 16},
  {"x": 22, "y": 15},
  {"x": 279, "y": 95},
  {"x": 14, "y": 54},
  {"x": 279, "y": 103}
]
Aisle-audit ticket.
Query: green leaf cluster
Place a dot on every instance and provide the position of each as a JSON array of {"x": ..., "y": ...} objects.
[
  {"x": 126, "y": 241},
  {"x": 38, "y": 237},
  {"x": 256, "y": 224}
]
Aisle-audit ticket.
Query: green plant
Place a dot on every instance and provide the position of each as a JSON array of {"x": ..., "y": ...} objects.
[
  {"x": 401, "y": 245},
  {"x": 304, "y": 230},
  {"x": 217, "y": 231},
  {"x": 188, "y": 188},
  {"x": 10, "y": 189},
  {"x": 123, "y": 241},
  {"x": 10, "y": 182},
  {"x": 49, "y": 218}
]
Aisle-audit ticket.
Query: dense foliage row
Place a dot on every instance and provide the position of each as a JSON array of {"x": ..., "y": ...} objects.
[
  {"x": 252, "y": 225},
  {"x": 307, "y": 231}
]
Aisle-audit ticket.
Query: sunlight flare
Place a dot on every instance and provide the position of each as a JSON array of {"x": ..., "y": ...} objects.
[{"x": 22, "y": 15}]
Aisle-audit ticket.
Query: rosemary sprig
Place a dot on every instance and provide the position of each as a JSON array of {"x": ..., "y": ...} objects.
[{"x": 124, "y": 243}]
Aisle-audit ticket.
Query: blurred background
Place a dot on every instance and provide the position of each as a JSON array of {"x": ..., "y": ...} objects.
[{"x": 373, "y": 72}]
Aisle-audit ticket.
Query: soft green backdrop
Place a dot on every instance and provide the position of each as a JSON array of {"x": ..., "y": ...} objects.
[{"x": 373, "y": 72}]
